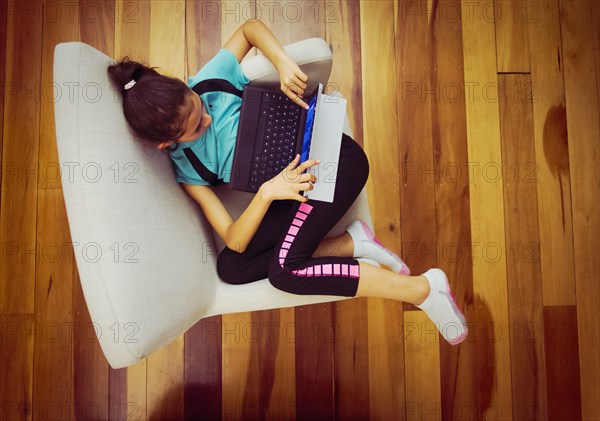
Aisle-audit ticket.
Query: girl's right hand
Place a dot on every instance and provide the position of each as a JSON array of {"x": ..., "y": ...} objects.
[{"x": 290, "y": 181}]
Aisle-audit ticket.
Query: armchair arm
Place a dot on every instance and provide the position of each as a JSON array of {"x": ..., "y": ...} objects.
[{"x": 313, "y": 56}]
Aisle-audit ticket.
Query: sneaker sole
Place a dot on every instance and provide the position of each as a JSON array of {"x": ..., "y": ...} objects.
[{"x": 457, "y": 312}]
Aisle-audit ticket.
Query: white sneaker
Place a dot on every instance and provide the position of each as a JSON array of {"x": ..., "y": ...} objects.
[
  {"x": 441, "y": 308},
  {"x": 366, "y": 245}
]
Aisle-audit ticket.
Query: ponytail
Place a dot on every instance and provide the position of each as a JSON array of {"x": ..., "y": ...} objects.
[{"x": 154, "y": 105}]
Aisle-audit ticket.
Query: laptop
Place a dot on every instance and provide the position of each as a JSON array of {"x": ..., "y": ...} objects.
[{"x": 273, "y": 129}]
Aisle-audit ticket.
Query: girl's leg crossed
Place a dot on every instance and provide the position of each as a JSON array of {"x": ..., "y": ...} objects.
[{"x": 292, "y": 267}]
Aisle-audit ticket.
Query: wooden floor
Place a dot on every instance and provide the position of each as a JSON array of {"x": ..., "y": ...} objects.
[{"x": 481, "y": 124}]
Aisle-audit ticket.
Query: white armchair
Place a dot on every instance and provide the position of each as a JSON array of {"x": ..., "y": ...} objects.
[{"x": 146, "y": 255}]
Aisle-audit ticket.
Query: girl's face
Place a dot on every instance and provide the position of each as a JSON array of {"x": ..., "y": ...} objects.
[
  {"x": 197, "y": 121},
  {"x": 196, "y": 124}
]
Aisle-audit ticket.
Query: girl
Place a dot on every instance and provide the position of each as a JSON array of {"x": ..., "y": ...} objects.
[{"x": 280, "y": 234}]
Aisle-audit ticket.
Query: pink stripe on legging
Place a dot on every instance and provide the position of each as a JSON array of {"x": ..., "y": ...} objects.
[{"x": 339, "y": 269}]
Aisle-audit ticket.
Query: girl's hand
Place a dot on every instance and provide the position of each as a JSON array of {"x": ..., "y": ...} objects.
[
  {"x": 290, "y": 181},
  {"x": 293, "y": 80}
]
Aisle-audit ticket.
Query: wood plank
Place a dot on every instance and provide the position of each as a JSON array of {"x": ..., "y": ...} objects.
[
  {"x": 512, "y": 18},
  {"x": 203, "y": 346},
  {"x": 17, "y": 332},
  {"x": 165, "y": 367},
  {"x": 551, "y": 169},
  {"x": 90, "y": 368},
  {"x": 240, "y": 366},
  {"x": 386, "y": 359},
  {"x": 523, "y": 264},
  {"x": 343, "y": 32},
  {"x": 351, "y": 360},
  {"x": 136, "y": 391},
  {"x": 20, "y": 157},
  {"x": 422, "y": 356},
  {"x": 595, "y": 18},
  {"x": 562, "y": 364},
  {"x": 118, "y": 406},
  {"x": 583, "y": 122},
  {"x": 3, "y": 29},
  {"x": 133, "y": 40},
  {"x": 98, "y": 21},
  {"x": 277, "y": 392},
  {"x": 203, "y": 34},
  {"x": 417, "y": 199},
  {"x": 309, "y": 19},
  {"x": 487, "y": 214},
  {"x": 314, "y": 362},
  {"x": 380, "y": 120},
  {"x": 453, "y": 221},
  {"x": 53, "y": 349}
]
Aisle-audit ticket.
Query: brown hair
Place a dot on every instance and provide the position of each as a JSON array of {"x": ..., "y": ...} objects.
[{"x": 155, "y": 107}]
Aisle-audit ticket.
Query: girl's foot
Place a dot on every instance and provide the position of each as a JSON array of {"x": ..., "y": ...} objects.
[
  {"x": 366, "y": 245},
  {"x": 441, "y": 308}
]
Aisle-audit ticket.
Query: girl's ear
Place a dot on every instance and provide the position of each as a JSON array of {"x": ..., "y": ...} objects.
[{"x": 163, "y": 145}]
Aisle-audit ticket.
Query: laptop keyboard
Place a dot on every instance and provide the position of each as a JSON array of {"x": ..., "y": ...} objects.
[{"x": 279, "y": 137}]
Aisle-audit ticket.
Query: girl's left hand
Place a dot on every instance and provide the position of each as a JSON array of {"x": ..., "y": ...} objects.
[{"x": 293, "y": 80}]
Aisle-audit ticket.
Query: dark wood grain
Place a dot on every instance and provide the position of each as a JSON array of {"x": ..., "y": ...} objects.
[
  {"x": 118, "y": 406},
  {"x": 16, "y": 366},
  {"x": 417, "y": 196},
  {"x": 20, "y": 156},
  {"x": 314, "y": 362},
  {"x": 583, "y": 125},
  {"x": 3, "y": 30},
  {"x": 523, "y": 263},
  {"x": 202, "y": 390},
  {"x": 562, "y": 363},
  {"x": 351, "y": 360}
]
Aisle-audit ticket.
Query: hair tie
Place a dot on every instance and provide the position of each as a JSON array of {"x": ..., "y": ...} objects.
[{"x": 129, "y": 84}]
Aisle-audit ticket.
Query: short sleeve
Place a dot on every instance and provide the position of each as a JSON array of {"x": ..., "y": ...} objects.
[
  {"x": 223, "y": 65},
  {"x": 184, "y": 173},
  {"x": 199, "y": 181}
]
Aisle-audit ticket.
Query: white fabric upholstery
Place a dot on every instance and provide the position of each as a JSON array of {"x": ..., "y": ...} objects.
[{"x": 145, "y": 253}]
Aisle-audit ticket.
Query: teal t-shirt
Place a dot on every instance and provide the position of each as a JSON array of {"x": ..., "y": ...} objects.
[{"x": 215, "y": 146}]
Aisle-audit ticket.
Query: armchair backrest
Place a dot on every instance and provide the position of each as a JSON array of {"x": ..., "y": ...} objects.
[{"x": 145, "y": 256}]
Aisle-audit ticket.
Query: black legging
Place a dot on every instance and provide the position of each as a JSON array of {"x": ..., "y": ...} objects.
[{"x": 291, "y": 231}]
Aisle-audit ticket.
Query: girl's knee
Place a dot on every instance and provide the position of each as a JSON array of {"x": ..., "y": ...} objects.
[
  {"x": 360, "y": 161},
  {"x": 278, "y": 276}
]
